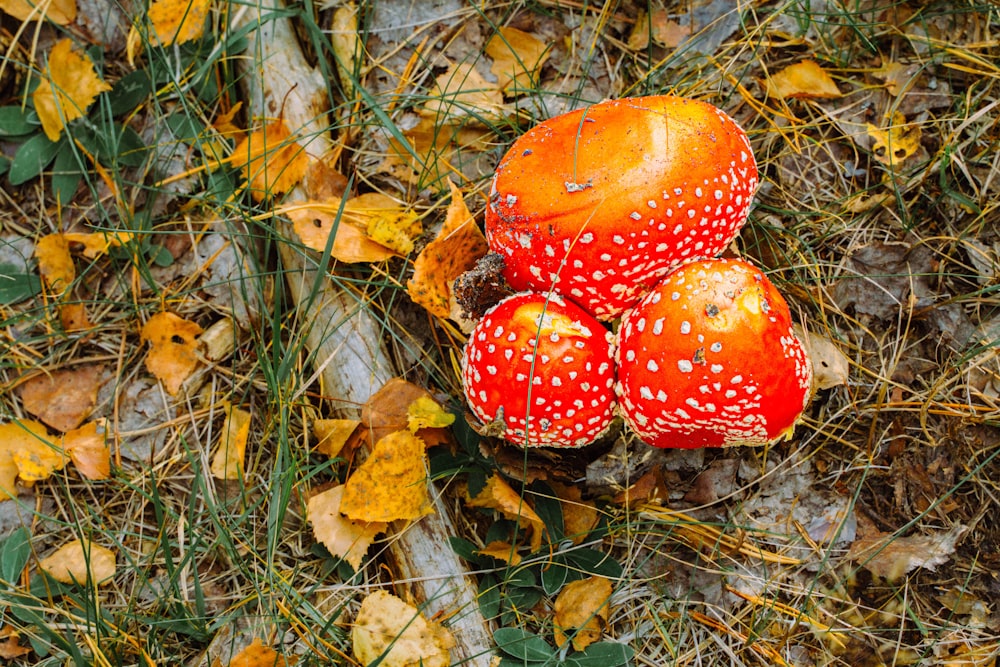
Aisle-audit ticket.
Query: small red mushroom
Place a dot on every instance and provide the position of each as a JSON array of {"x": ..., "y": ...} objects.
[
  {"x": 541, "y": 369},
  {"x": 709, "y": 359},
  {"x": 599, "y": 204}
]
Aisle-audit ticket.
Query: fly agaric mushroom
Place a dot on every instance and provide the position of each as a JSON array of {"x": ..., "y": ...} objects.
[
  {"x": 599, "y": 204},
  {"x": 709, "y": 359},
  {"x": 541, "y": 369}
]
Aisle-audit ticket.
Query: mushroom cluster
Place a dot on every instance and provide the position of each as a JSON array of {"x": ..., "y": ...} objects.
[{"x": 617, "y": 211}]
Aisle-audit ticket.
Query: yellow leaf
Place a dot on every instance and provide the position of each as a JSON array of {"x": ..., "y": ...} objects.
[
  {"x": 96, "y": 244},
  {"x": 60, "y": 12},
  {"x": 69, "y": 87},
  {"x": 425, "y": 412},
  {"x": 173, "y": 349},
  {"x": 805, "y": 79},
  {"x": 455, "y": 250},
  {"x": 517, "y": 57},
  {"x": 579, "y": 516},
  {"x": 63, "y": 399},
  {"x": 178, "y": 21},
  {"x": 896, "y": 142},
  {"x": 333, "y": 434},
  {"x": 397, "y": 635},
  {"x": 26, "y": 451},
  {"x": 392, "y": 482},
  {"x": 501, "y": 551},
  {"x": 341, "y": 536},
  {"x": 371, "y": 227},
  {"x": 498, "y": 495},
  {"x": 87, "y": 447},
  {"x": 270, "y": 160},
  {"x": 258, "y": 655},
  {"x": 395, "y": 229},
  {"x": 228, "y": 460},
  {"x": 55, "y": 263},
  {"x": 224, "y": 124},
  {"x": 581, "y": 611},
  {"x": 79, "y": 562},
  {"x": 347, "y": 44},
  {"x": 436, "y": 143},
  {"x": 462, "y": 91}
]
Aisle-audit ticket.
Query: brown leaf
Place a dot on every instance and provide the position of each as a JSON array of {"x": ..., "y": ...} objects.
[
  {"x": 581, "y": 612},
  {"x": 63, "y": 399},
  {"x": 388, "y": 410},
  {"x": 579, "y": 516},
  {"x": 10, "y": 647},
  {"x": 87, "y": 447},
  {"x": 425, "y": 412},
  {"x": 69, "y": 87},
  {"x": 805, "y": 80},
  {"x": 270, "y": 160},
  {"x": 502, "y": 551},
  {"x": 665, "y": 32},
  {"x": 517, "y": 57},
  {"x": 430, "y": 149},
  {"x": 498, "y": 495},
  {"x": 369, "y": 228},
  {"x": 341, "y": 536},
  {"x": 258, "y": 655},
  {"x": 455, "y": 250},
  {"x": 392, "y": 482},
  {"x": 173, "y": 349},
  {"x": 831, "y": 367},
  {"x": 78, "y": 562},
  {"x": 394, "y": 633},
  {"x": 892, "y": 557}
]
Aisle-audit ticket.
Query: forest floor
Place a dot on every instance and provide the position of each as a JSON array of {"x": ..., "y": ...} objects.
[{"x": 213, "y": 317}]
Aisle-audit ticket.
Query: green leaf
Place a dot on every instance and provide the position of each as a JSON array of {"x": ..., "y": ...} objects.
[
  {"x": 465, "y": 549},
  {"x": 17, "y": 122},
  {"x": 66, "y": 173},
  {"x": 14, "y": 554},
  {"x": 131, "y": 148},
  {"x": 489, "y": 597},
  {"x": 523, "y": 645},
  {"x": 32, "y": 157},
  {"x": 16, "y": 284},
  {"x": 129, "y": 92},
  {"x": 602, "y": 654},
  {"x": 548, "y": 507},
  {"x": 592, "y": 561},
  {"x": 554, "y": 575}
]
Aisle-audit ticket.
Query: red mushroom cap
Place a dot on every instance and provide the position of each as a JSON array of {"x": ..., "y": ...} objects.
[
  {"x": 709, "y": 359},
  {"x": 599, "y": 204},
  {"x": 541, "y": 360}
]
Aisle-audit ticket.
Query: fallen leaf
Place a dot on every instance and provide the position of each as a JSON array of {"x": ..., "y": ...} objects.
[
  {"x": 177, "y": 21},
  {"x": 425, "y": 412},
  {"x": 314, "y": 223},
  {"x": 395, "y": 634},
  {"x": 270, "y": 160},
  {"x": 455, "y": 250},
  {"x": 497, "y": 494},
  {"x": 392, "y": 482},
  {"x": 502, "y": 551},
  {"x": 347, "y": 44},
  {"x": 258, "y": 655},
  {"x": 896, "y": 142},
  {"x": 831, "y": 367},
  {"x": 323, "y": 182},
  {"x": 73, "y": 317},
  {"x": 60, "y": 12},
  {"x": 224, "y": 124},
  {"x": 394, "y": 229},
  {"x": 173, "y": 349},
  {"x": 898, "y": 77},
  {"x": 341, "y": 536},
  {"x": 95, "y": 244},
  {"x": 80, "y": 562},
  {"x": 55, "y": 263},
  {"x": 63, "y": 399},
  {"x": 430, "y": 150},
  {"x": 462, "y": 91},
  {"x": 370, "y": 228},
  {"x": 333, "y": 434},
  {"x": 579, "y": 516},
  {"x": 581, "y": 612},
  {"x": 892, "y": 557},
  {"x": 87, "y": 447},
  {"x": 388, "y": 410},
  {"x": 657, "y": 24},
  {"x": 803, "y": 80},
  {"x": 228, "y": 460},
  {"x": 517, "y": 57},
  {"x": 10, "y": 647},
  {"x": 69, "y": 86},
  {"x": 26, "y": 452}
]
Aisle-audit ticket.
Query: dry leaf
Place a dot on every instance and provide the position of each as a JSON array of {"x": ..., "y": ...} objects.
[
  {"x": 333, "y": 434},
  {"x": 892, "y": 557},
  {"x": 388, "y": 410},
  {"x": 60, "y": 12},
  {"x": 63, "y": 399},
  {"x": 896, "y": 142},
  {"x": 462, "y": 91},
  {"x": 455, "y": 250},
  {"x": 665, "y": 32},
  {"x": 258, "y": 655},
  {"x": 581, "y": 612},
  {"x": 394, "y": 633},
  {"x": 392, "y": 482},
  {"x": 177, "y": 21},
  {"x": 503, "y": 551},
  {"x": 436, "y": 143},
  {"x": 223, "y": 123},
  {"x": 79, "y": 562},
  {"x": 898, "y": 77},
  {"x": 498, "y": 495},
  {"x": 87, "y": 447},
  {"x": 322, "y": 181},
  {"x": 73, "y": 317},
  {"x": 345, "y": 39},
  {"x": 270, "y": 160},
  {"x": 831, "y": 367},
  {"x": 10, "y": 646},
  {"x": 228, "y": 460},
  {"x": 425, "y": 412},
  {"x": 517, "y": 57},
  {"x": 69, "y": 87},
  {"x": 173, "y": 349},
  {"x": 341, "y": 536},
  {"x": 95, "y": 244},
  {"x": 26, "y": 452},
  {"x": 579, "y": 516},
  {"x": 55, "y": 263},
  {"x": 315, "y": 222},
  {"x": 806, "y": 80}
]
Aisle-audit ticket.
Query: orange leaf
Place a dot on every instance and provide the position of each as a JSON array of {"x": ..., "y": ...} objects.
[
  {"x": 63, "y": 399},
  {"x": 271, "y": 162},
  {"x": 341, "y": 536},
  {"x": 333, "y": 434},
  {"x": 658, "y": 26},
  {"x": 10, "y": 646},
  {"x": 87, "y": 447},
  {"x": 96, "y": 244},
  {"x": 454, "y": 251},
  {"x": 60, "y": 12},
  {"x": 503, "y": 551},
  {"x": 55, "y": 263},
  {"x": 69, "y": 87},
  {"x": 388, "y": 410},
  {"x": 805, "y": 79},
  {"x": 26, "y": 451},
  {"x": 73, "y": 317},
  {"x": 178, "y": 21},
  {"x": 228, "y": 460},
  {"x": 371, "y": 228},
  {"x": 258, "y": 655},
  {"x": 582, "y": 609},
  {"x": 78, "y": 562},
  {"x": 498, "y": 495},
  {"x": 579, "y": 516},
  {"x": 517, "y": 57},
  {"x": 173, "y": 349},
  {"x": 392, "y": 482}
]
